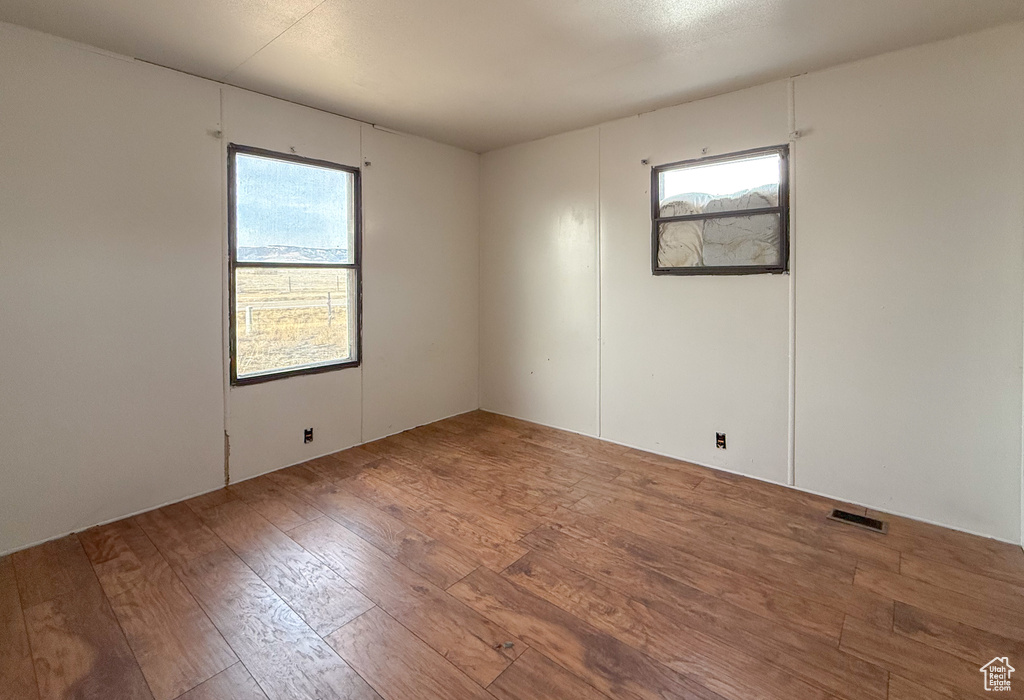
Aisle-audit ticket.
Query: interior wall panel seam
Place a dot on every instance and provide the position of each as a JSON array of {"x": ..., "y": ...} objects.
[{"x": 791, "y": 389}]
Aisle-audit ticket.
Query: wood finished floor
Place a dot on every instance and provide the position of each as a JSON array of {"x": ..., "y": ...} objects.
[{"x": 484, "y": 557}]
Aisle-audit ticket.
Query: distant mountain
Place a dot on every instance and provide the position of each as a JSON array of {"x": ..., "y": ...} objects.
[
  {"x": 697, "y": 198},
  {"x": 292, "y": 254},
  {"x": 762, "y": 196}
]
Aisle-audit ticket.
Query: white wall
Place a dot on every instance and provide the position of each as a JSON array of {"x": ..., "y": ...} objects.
[
  {"x": 421, "y": 282},
  {"x": 110, "y": 279},
  {"x": 538, "y": 271},
  {"x": 909, "y": 219},
  {"x": 113, "y": 280},
  {"x": 265, "y": 422},
  {"x": 907, "y": 287},
  {"x": 420, "y": 285},
  {"x": 685, "y": 357}
]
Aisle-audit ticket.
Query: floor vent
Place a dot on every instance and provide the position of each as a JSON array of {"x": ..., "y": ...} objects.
[{"x": 859, "y": 520}]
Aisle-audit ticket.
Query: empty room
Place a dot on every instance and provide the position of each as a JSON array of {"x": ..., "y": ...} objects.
[{"x": 511, "y": 349}]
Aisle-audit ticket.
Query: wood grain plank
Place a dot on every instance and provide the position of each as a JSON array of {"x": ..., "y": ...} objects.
[
  {"x": 981, "y": 555},
  {"x": 322, "y": 598},
  {"x": 329, "y": 469},
  {"x": 776, "y": 497},
  {"x": 78, "y": 648},
  {"x": 633, "y": 459},
  {"x": 17, "y": 677},
  {"x": 435, "y": 561},
  {"x": 565, "y": 499},
  {"x": 485, "y": 478},
  {"x": 398, "y": 664},
  {"x": 914, "y": 661},
  {"x": 497, "y": 518},
  {"x": 281, "y": 507},
  {"x": 812, "y": 656},
  {"x": 728, "y": 670},
  {"x": 559, "y": 466},
  {"x": 808, "y": 526},
  {"x": 283, "y": 654},
  {"x": 295, "y": 477},
  {"x": 604, "y": 662},
  {"x": 176, "y": 645},
  {"x": 453, "y": 424},
  {"x": 353, "y": 457},
  {"x": 44, "y": 572},
  {"x": 209, "y": 500},
  {"x": 663, "y": 481},
  {"x": 499, "y": 452},
  {"x": 457, "y": 632},
  {"x": 701, "y": 534},
  {"x": 178, "y": 533},
  {"x": 902, "y": 689},
  {"x": 534, "y": 676},
  {"x": 956, "y": 606},
  {"x": 672, "y": 579},
  {"x": 233, "y": 683},
  {"x": 716, "y": 573},
  {"x": 438, "y": 522},
  {"x": 969, "y": 643},
  {"x": 600, "y": 454},
  {"x": 994, "y": 591}
]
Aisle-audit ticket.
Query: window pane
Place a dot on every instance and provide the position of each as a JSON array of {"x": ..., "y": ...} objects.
[
  {"x": 747, "y": 183},
  {"x": 292, "y": 212},
  {"x": 726, "y": 241},
  {"x": 290, "y": 318}
]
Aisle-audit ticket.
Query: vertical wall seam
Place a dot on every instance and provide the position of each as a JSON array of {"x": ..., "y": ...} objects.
[
  {"x": 791, "y": 440},
  {"x": 225, "y": 280},
  {"x": 1020, "y": 183},
  {"x": 362, "y": 283},
  {"x": 479, "y": 277},
  {"x": 600, "y": 283}
]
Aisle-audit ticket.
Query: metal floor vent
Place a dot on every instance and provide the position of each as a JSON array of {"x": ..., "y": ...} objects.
[{"x": 859, "y": 520}]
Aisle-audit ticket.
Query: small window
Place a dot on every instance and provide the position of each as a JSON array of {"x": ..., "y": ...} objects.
[
  {"x": 293, "y": 228},
  {"x": 722, "y": 215}
]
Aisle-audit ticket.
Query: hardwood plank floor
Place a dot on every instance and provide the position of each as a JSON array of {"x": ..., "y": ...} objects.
[
  {"x": 278, "y": 505},
  {"x": 322, "y": 598},
  {"x": 174, "y": 642},
  {"x": 600, "y": 659},
  {"x": 469, "y": 640},
  {"x": 534, "y": 676},
  {"x": 431, "y": 559},
  {"x": 397, "y": 664},
  {"x": 728, "y": 670},
  {"x": 17, "y": 677},
  {"x": 233, "y": 683},
  {"x": 482, "y": 556},
  {"x": 284, "y": 655},
  {"x": 814, "y": 656},
  {"x": 78, "y": 648}
]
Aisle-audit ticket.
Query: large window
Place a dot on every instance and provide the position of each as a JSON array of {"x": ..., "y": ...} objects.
[
  {"x": 294, "y": 255},
  {"x": 722, "y": 215}
]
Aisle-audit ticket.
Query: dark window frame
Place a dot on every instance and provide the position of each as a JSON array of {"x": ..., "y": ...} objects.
[
  {"x": 782, "y": 210},
  {"x": 234, "y": 264}
]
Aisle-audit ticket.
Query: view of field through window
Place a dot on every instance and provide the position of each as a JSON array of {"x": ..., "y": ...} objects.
[
  {"x": 291, "y": 317},
  {"x": 296, "y": 284}
]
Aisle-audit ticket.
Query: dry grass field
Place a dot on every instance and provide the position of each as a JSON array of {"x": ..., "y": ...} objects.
[{"x": 288, "y": 318}]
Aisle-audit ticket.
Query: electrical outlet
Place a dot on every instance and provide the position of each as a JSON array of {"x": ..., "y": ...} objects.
[
  {"x": 720, "y": 440},
  {"x": 308, "y": 435}
]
